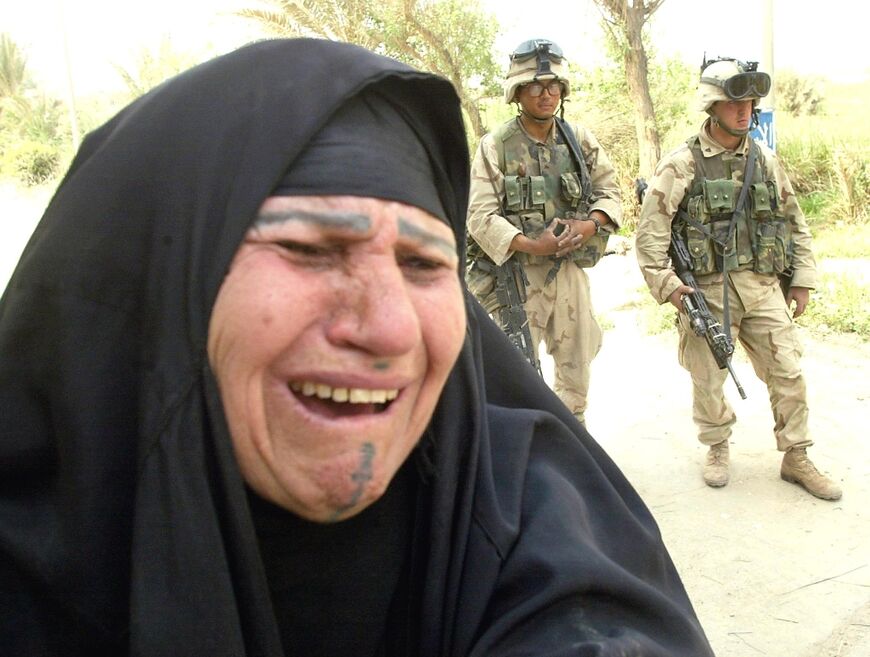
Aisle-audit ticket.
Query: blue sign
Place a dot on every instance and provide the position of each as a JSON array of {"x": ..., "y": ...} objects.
[{"x": 765, "y": 132}]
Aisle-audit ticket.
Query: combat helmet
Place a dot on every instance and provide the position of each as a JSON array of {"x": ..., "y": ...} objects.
[
  {"x": 535, "y": 59},
  {"x": 726, "y": 78}
]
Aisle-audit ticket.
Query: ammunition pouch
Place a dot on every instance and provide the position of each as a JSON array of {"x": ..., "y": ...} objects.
[
  {"x": 772, "y": 242},
  {"x": 706, "y": 230},
  {"x": 524, "y": 193},
  {"x": 572, "y": 190},
  {"x": 774, "y": 247}
]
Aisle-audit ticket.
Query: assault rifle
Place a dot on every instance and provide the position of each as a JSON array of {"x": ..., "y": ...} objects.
[
  {"x": 702, "y": 321},
  {"x": 510, "y": 290}
]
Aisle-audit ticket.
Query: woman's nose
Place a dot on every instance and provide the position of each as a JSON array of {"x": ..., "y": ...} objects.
[{"x": 378, "y": 313}]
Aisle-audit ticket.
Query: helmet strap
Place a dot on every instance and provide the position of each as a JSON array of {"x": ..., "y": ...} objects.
[
  {"x": 734, "y": 133},
  {"x": 525, "y": 114},
  {"x": 756, "y": 111},
  {"x": 535, "y": 119}
]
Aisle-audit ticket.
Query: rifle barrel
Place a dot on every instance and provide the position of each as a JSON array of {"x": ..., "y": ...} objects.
[{"x": 734, "y": 377}]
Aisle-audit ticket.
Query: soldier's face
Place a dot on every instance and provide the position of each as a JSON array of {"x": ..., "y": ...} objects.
[
  {"x": 734, "y": 114},
  {"x": 331, "y": 339},
  {"x": 541, "y": 107}
]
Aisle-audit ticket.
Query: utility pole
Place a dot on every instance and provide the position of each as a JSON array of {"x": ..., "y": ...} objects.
[
  {"x": 767, "y": 63},
  {"x": 766, "y": 129},
  {"x": 70, "y": 92}
]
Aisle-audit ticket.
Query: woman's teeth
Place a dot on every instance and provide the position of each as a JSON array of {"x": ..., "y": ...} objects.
[{"x": 344, "y": 395}]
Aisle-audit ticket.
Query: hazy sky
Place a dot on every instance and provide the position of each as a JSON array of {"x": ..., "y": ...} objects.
[{"x": 811, "y": 37}]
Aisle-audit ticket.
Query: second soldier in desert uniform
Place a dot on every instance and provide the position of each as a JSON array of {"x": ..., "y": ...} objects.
[{"x": 742, "y": 242}]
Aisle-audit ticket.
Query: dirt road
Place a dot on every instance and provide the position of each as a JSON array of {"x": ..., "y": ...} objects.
[{"x": 770, "y": 569}]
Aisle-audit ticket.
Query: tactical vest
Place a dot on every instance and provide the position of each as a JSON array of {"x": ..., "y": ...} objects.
[
  {"x": 761, "y": 237},
  {"x": 541, "y": 183}
]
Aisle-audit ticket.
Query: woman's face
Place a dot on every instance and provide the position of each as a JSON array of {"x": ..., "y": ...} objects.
[{"x": 331, "y": 338}]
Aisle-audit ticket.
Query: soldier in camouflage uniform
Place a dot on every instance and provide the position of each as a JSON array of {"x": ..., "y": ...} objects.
[
  {"x": 532, "y": 200},
  {"x": 754, "y": 244}
]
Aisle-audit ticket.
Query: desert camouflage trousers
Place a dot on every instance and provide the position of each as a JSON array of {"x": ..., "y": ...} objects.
[
  {"x": 761, "y": 323},
  {"x": 560, "y": 313}
]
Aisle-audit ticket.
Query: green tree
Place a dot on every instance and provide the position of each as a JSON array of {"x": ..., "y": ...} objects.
[
  {"x": 453, "y": 38},
  {"x": 600, "y": 99},
  {"x": 625, "y": 21},
  {"x": 14, "y": 80},
  {"x": 153, "y": 66}
]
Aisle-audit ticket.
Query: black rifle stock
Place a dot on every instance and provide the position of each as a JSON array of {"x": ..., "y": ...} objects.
[{"x": 701, "y": 320}]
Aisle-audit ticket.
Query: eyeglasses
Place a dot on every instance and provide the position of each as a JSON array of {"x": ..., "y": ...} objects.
[
  {"x": 743, "y": 85},
  {"x": 554, "y": 88},
  {"x": 528, "y": 49}
]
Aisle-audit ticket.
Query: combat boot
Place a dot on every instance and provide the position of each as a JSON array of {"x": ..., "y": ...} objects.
[
  {"x": 798, "y": 469},
  {"x": 716, "y": 465}
]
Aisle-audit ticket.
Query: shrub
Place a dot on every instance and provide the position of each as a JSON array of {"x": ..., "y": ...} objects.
[
  {"x": 31, "y": 162},
  {"x": 798, "y": 95}
]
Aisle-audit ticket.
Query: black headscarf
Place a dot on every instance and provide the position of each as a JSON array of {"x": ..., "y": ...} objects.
[
  {"x": 125, "y": 526},
  {"x": 368, "y": 148}
]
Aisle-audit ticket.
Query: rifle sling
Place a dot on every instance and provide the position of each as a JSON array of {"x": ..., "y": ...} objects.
[
  {"x": 574, "y": 147},
  {"x": 748, "y": 173}
]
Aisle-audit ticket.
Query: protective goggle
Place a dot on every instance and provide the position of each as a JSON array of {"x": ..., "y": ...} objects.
[
  {"x": 532, "y": 47},
  {"x": 554, "y": 88},
  {"x": 743, "y": 85},
  {"x": 545, "y": 51}
]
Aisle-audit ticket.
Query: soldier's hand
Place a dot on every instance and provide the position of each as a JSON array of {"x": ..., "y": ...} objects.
[
  {"x": 676, "y": 297},
  {"x": 800, "y": 296},
  {"x": 575, "y": 234},
  {"x": 547, "y": 242}
]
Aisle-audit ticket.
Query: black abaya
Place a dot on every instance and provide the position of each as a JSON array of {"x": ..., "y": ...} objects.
[{"x": 125, "y": 526}]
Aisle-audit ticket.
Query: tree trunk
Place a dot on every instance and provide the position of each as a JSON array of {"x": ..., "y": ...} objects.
[
  {"x": 472, "y": 109},
  {"x": 649, "y": 146}
]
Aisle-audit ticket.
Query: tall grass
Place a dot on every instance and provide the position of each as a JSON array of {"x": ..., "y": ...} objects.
[
  {"x": 839, "y": 305},
  {"x": 831, "y": 179},
  {"x": 827, "y": 157}
]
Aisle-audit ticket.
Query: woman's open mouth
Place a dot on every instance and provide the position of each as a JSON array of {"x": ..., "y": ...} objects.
[{"x": 325, "y": 400}]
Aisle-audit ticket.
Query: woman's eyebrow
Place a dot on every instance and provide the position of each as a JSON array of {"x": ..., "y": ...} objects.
[
  {"x": 353, "y": 221},
  {"x": 424, "y": 237}
]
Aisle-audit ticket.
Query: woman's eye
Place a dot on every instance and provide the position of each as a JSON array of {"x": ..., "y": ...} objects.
[
  {"x": 308, "y": 254},
  {"x": 301, "y": 248},
  {"x": 308, "y": 250},
  {"x": 421, "y": 264}
]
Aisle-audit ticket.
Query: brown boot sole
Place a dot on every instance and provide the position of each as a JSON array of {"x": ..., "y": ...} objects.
[{"x": 795, "y": 480}]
